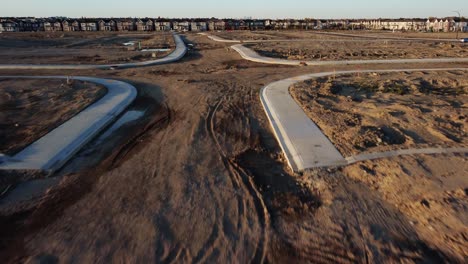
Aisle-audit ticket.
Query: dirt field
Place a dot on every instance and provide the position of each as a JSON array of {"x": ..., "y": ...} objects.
[
  {"x": 246, "y": 35},
  {"x": 381, "y": 111},
  {"x": 29, "y": 109},
  {"x": 81, "y": 48},
  {"x": 409, "y": 34},
  {"x": 359, "y": 50},
  {"x": 272, "y": 35},
  {"x": 202, "y": 179},
  {"x": 317, "y": 35},
  {"x": 429, "y": 190}
]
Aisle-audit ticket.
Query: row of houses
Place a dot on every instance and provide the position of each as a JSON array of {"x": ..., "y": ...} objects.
[
  {"x": 148, "y": 24},
  {"x": 430, "y": 25}
]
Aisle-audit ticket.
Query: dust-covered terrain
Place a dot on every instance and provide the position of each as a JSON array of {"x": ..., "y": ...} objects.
[
  {"x": 429, "y": 190},
  {"x": 359, "y": 50},
  {"x": 82, "y": 47},
  {"x": 398, "y": 34},
  {"x": 30, "y": 108},
  {"x": 382, "y": 111},
  {"x": 334, "y": 35},
  {"x": 200, "y": 178}
]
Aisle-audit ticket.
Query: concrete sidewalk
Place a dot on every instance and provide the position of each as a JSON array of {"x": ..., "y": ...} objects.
[
  {"x": 53, "y": 150},
  {"x": 303, "y": 143},
  {"x": 251, "y": 55},
  {"x": 176, "y": 55}
]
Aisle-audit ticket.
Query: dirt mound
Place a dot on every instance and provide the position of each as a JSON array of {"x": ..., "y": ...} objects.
[{"x": 382, "y": 111}]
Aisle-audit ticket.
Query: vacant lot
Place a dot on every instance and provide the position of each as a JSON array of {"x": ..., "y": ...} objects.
[
  {"x": 359, "y": 50},
  {"x": 380, "y": 111},
  {"x": 81, "y": 47},
  {"x": 399, "y": 34},
  {"x": 202, "y": 179},
  {"x": 246, "y": 35},
  {"x": 29, "y": 109},
  {"x": 328, "y": 35},
  {"x": 273, "y": 35},
  {"x": 429, "y": 190}
]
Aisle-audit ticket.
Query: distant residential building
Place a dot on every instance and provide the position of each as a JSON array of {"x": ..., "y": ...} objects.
[
  {"x": 75, "y": 26},
  {"x": 162, "y": 25},
  {"x": 126, "y": 25},
  {"x": 256, "y": 24},
  {"x": 10, "y": 26},
  {"x": 52, "y": 26},
  {"x": 107, "y": 25},
  {"x": 197, "y": 26},
  {"x": 461, "y": 26},
  {"x": 88, "y": 26},
  {"x": 30, "y": 25},
  {"x": 145, "y": 25},
  {"x": 66, "y": 26},
  {"x": 216, "y": 25},
  {"x": 232, "y": 24},
  {"x": 181, "y": 25}
]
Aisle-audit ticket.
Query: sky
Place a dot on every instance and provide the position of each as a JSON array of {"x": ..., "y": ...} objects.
[{"x": 235, "y": 8}]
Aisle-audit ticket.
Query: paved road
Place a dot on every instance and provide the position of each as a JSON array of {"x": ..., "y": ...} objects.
[
  {"x": 176, "y": 55},
  {"x": 251, "y": 55},
  {"x": 303, "y": 143},
  {"x": 53, "y": 150}
]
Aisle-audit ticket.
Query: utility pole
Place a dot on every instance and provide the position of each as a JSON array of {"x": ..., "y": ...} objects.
[{"x": 459, "y": 22}]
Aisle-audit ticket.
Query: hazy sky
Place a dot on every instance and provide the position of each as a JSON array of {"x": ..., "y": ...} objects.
[{"x": 234, "y": 8}]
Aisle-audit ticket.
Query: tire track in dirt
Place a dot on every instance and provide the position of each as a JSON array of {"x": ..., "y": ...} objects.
[
  {"x": 215, "y": 237},
  {"x": 158, "y": 124},
  {"x": 240, "y": 179},
  {"x": 374, "y": 221}
]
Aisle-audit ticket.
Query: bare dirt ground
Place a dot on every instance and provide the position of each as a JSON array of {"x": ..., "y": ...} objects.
[
  {"x": 272, "y": 35},
  {"x": 81, "y": 47},
  {"x": 246, "y": 35},
  {"x": 359, "y": 50},
  {"x": 429, "y": 190},
  {"x": 408, "y": 34},
  {"x": 382, "y": 111},
  {"x": 31, "y": 108},
  {"x": 316, "y": 35},
  {"x": 202, "y": 179}
]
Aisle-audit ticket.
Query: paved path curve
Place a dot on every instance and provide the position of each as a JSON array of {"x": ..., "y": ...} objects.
[
  {"x": 251, "y": 55},
  {"x": 303, "y": 143},
  {"x": 218, "y": 39},
  {"x": 363, "y": 37},
  {"x": 53, "y": 150},
  {"x": 176, "y": 55}
]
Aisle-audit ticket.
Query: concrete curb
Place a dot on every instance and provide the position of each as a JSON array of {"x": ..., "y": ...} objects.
[
  {"x": 303, "y": 143},
  {"x": 251, "y": 55},
  {"x": 53, "y": 150},
  {"x": 176, "y": 55}
]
